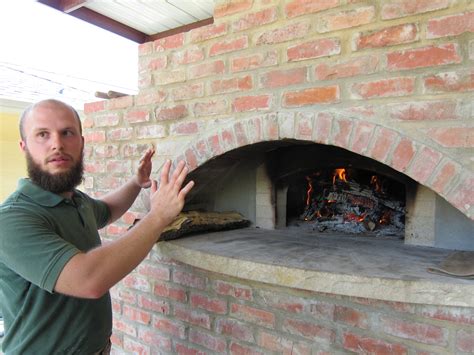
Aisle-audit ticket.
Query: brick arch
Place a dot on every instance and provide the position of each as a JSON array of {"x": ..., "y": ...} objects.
[{"x": 424, "y": 164}]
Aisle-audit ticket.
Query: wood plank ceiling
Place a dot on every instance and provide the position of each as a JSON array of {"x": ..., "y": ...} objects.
[{"x": 139, "y": 20}]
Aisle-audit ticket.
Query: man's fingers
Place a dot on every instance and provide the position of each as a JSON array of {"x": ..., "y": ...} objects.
[
  {"x": 154, "y": 186},
  {"x": 165, "y": 172},
  {"x": 184, "y": 191}
]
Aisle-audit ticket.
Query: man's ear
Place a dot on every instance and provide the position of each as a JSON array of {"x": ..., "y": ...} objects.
[{"x": 22, "y": 145}]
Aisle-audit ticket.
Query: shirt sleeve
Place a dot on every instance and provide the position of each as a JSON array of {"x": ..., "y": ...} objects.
[{"x": 31, "y": 248}]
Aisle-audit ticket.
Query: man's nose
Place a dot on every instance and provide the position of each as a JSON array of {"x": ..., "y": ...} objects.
[{"x": 57, "y": 141}]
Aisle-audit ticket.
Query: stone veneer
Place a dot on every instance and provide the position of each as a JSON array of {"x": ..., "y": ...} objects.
[{"x": 390, "y": 80}]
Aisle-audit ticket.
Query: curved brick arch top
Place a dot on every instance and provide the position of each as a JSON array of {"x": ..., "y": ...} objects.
[{"x": 426, "y": 165}]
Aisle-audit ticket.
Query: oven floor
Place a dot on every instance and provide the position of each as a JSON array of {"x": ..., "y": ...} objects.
[{"x": 378, "y": 257}]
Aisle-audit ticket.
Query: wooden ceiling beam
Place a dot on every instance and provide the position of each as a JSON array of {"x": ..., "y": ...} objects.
[{"x": 70, "y": 5}]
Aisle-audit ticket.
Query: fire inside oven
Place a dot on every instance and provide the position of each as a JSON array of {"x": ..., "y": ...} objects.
[{"x": 347, "y": 200}]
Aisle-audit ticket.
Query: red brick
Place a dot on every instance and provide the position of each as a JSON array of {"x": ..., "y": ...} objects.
[
  {"x": 424, "y": 57},
  {"x": 145, "y": 80},
  {"x": 424, "y": 164},
  {"x": 94, "y": 167},
  {"x": 207, "y": 303},
  {"x": 252, "y": 315},
  {"x": 402, "y": 155},
  {"x": 461, "y": 196},
  {"x": 150, "y": 97},
  {"x": 206, "y": 69},
  {"x": 187, "y": 56},
  {"x": 88, "y": 122},
  {"x": 311, "y": 96},
  {"x": 342, "y": 129},
  {"x": 233, "y": 290},
  {"x": 116, "y": 340},
  {"x": 271, "y": 127},
  {"x": 405, "y": 33},
  {"x": 124, "y": 327},
  {"x": 152, "y": 131},
  {"x": 322, "y": 127},
  {"x": 234, "y": 329},
  {"x": 215, "y": 145},
  {"x": 119, "y": 166},
  {"x": 280, "y": 344},
  {"x": 286, "y": 303},
  {"x": 189, "y": 279},
  {"x": 186, "y": 92},
  {"x": 443, "y": 178},
  {"x": 255, "y": 130},
  {"x": 239, "y": 349},
  {"x": 145, "y": 48},
  {"x": 251, "y": 103},
  {"x": 106, "y": 151},
  {"x": 465, "y": 341},
  {"x": 314, "y": 332},
  {"x": 191, "y": 316},
  {"x": 184, "y": 349},
  {"x": 424, "y": 110},
  {"x": 284, "y": 34},
  {"x": 255, "y": 19},
  {"x": 346, "y": 19},
  {"x": 227, "y": 46},
  {"x": 171, "y": 113},
  {"x": 384, "y": 88},
  {"x": 231, "y": 85},
  {"x": 135, "y": 347},
  {"x": 152, "y": 64},
  {"x": 209, "y": 341},
  {"x": 314, "y": 49},
  {"x": 170, "y": 291},
  {"x": 94, "y": 137},
  {"x": 231, "y": 7},
  {"x": 176, "y": 329},
  {"x": 366, "y": 345},
  {"x": 452, "y": 137},
  {"x": 137, "y": 283},
  {"x": 302, "y": 7},
  {"x": 191, "y": 160},
  {"x": 116, "y": 307},
  {"x": 402, "y": 8},
  {"x": 240, "y": 134},
  {"x": 280, "y": 78},
  {"x": 385, "y": 139},
  {"x": 452, "y": 25},
  {"x": 351, "y": 316},
  {"x": 171, "y": 42},
  {"x": 213, "y": 107},
  {"x": 156, "y": 272},
  {"x": 419, "y": 332},
  {"x": 169, "y": 77},
  {"x": 459, "y": 315},
  {"x": 90, "y": 107},
  {"x": 136, "y": 116},
  {"x": 254, "y": 61},
  {"x": 450, "y": 82},
  {"x": 120, "y": 134},
  {"x": 363, "y": 132},
  {"x": 136, "y": 315},
  {"x": 207, "y": 32},
  {"x": 228, "y": 139},
  {"x": 304, "y": 126},
  {"x": 153, "y": 304},
  {"x": 120, "y": 102},
  {"x": 184, "y": 128},
  {"x": 352, "y": 67},
  {"x": 151, "y": 337}
]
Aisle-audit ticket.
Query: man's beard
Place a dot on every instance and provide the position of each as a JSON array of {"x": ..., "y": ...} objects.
[{"x": 56, "y": 183}]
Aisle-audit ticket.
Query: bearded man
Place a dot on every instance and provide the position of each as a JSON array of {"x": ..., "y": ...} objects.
[{"x": 55, "y": 275}]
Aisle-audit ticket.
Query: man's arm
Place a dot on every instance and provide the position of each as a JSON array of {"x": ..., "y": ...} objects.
[
  {"x": 120, "y": 200},
  {"x": 91, "y": 274}
]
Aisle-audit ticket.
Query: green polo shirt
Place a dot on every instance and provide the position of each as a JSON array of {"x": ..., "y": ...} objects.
[{"x": 39, "y": 233}]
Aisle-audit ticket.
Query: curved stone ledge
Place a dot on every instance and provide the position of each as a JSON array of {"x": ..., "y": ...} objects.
[{"x": 368, "y": 267}]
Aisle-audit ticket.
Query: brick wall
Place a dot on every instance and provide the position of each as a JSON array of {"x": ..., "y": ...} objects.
[{"x": 390, "y": 80}]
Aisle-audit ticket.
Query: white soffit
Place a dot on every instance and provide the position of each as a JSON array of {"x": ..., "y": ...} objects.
[{"x": 154, "y": 16}]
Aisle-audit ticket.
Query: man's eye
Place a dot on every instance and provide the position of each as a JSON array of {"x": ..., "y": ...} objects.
[
  {"x": 42, "y": 134},
  {"x": 68, "y": 133}
]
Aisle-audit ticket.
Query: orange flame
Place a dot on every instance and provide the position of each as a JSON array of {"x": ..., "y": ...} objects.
[
  {"x": 375, "y": 180},
  {"x": 310, "y": 191},
  {"x": 340, "y": 174}
]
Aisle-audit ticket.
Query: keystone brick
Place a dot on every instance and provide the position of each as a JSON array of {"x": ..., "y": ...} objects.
[
  {"x": 342, "y": 132},
  {"x": 384, "y": 88},
  {"x": 314, "y": 49},
  {"x": 402, "y": 8},
  {"x": 352, "y": 67},
  {"x": 403, "y": 154},
  {"x": 387, "y": 37},
  {"x": 453, "y": 25},
  {"x": 318, "y": 95},
  {"x": 302, "y": 7},
  {"x": 346, "y": 19},
  {"x": 424, "y": 57},
  {"x": 366, "y": 345}
]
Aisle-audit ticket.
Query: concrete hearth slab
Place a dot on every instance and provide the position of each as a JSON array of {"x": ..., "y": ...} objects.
[{"x": 371, "y": 267}]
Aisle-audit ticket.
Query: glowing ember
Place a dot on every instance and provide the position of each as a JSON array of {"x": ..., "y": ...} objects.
[{"x": 339, "y": 174}]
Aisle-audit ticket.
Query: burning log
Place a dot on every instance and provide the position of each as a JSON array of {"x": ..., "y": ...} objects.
[{"x": 197, "y": 221}]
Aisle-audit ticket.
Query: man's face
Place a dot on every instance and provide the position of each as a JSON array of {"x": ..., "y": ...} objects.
[{"x": 53, "y": 146}]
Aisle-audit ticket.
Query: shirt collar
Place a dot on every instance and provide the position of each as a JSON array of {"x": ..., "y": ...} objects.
[{"x": 39, "y": 195}]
